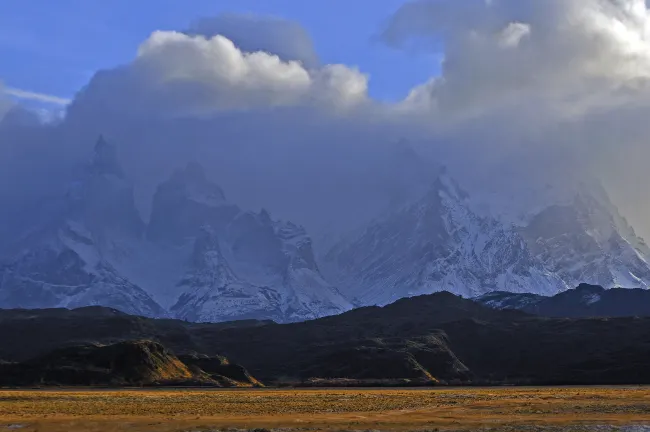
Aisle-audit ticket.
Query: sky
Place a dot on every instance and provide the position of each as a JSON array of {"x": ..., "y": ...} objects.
[
  {"x": 54, "y": 48},
  {"x": 301, "y": 106}
]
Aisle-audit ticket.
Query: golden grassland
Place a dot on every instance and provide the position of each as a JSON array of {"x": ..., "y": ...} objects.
[{"x": 321, "y": 409}]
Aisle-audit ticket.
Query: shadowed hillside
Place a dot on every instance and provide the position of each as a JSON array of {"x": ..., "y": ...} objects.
[
  {"x": 582, "y": 302},
  {"x": 438, "y": 338}
]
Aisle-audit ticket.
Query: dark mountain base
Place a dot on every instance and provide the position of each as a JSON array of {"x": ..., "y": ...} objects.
[
  {"x": 585, "y": 301},
  {"x": 428, "y": 340}
]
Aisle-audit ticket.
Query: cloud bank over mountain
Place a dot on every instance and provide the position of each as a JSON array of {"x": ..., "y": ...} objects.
[{"x": 533, "y": 97}]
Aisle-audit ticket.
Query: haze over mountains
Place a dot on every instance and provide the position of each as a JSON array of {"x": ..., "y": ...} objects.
[
  {"x": 241, "y": 178},
  {"x": 202, "y": 258}
]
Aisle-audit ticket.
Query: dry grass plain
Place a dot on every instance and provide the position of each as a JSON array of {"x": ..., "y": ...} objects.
[{"x": 165, "y": 410}]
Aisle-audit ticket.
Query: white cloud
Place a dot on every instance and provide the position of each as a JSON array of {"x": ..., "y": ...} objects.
[
  {"x": 522, "y": 78},
  {"x": 564, "y": 52},
  {"x": 178, "y": 74},
  {"x": 513, "y": 34},
  {"x": 40, "y": 97}
]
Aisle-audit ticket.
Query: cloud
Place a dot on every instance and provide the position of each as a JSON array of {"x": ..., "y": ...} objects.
[
  {"x": 574, "y": 54},
  {"x": 39, "y": 97},
  {"x": 534, "y": 96},
  {"x": 568, "y": 80},
  {"x": 252, "y": 33},
  {"x": 178, "y": 74}
]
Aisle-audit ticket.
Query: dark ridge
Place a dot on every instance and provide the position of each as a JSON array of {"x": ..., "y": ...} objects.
[
  {"x": 434, "y": 339},
  {"x": 582, "y": 302}
]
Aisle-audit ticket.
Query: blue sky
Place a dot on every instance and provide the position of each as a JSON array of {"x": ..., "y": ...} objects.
[{"x": 54, "y": 47}]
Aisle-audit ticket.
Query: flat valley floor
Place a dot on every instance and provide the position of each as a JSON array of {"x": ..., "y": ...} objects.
[{"x": 465, "y": 409}]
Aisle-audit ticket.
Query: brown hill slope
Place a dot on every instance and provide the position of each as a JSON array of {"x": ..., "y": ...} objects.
[{"x": 129, "y": 363}]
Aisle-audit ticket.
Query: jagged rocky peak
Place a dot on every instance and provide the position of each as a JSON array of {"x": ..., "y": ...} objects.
[
  {"x": 432, "y": 244},
  {"x": 105, "y": 160},
  {"x": 255, "y": 242},
  {"x": 193, "y": 183},
  {"x": 257, "y": 238},
  {"x": 407, "y": 173},
  {"x": 208, "y": 269},
  {"x": 586, "y": 240},
  {"x": 102, "y": 199},
  {"x": 206, "y": 254},
  {"x": 297, "y": 245},
  {"x": 65, "y": 262},
  {"x": 185, "y": 203}
]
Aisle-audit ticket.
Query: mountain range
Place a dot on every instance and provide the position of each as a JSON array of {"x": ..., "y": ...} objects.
[
  {"x": 441, "y": 242},
  {"x": 199, "y": 258},
  {"x": 582, "y": 302},
  {"x": 202, "y": 258},
  {"x": 425, "y": 340}
]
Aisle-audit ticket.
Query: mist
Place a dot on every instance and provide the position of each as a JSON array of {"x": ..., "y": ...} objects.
[{"x": 534, "y": 98}]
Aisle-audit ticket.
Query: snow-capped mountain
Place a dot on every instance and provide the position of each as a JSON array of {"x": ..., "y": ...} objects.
[
  {"x": 62, "y": 263},
  {"x": 437, "y": 243},
  {"x": 243, "y": 264},
  {"x": 441, "y": 243},
  {"x": 203, "y": 258},
  {"x": 200, "y": 258},
  {"x": 587, "y": 241}
]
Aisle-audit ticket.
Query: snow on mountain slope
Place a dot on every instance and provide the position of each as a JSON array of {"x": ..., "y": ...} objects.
[
  {"x": 203, "y": 258},
  {"x": 587, "y": 241},
  {"x": 212, "y": 292},
  {"x": 243, "y": 264},
  {"x": 200, "y": 258},
  {"x": 62, "y": 264},
  {"x": 442, "y": 243},
  {"x": 437, "y": 243}
]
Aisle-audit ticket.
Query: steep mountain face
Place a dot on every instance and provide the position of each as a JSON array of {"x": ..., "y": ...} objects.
[
  {"x": 62, "y": 263},
  {"x": 587, "y": 241},
  {"x": 203, "y": 258},
  {"x": 584, "y": 301},
  {"x": 253, "y": 267},
  {"x": 186, "y": 203},
  {"x": 440, "y": 242},
  {"x": 200, "y": 258},
  {"x": 235, "y": 264}
]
